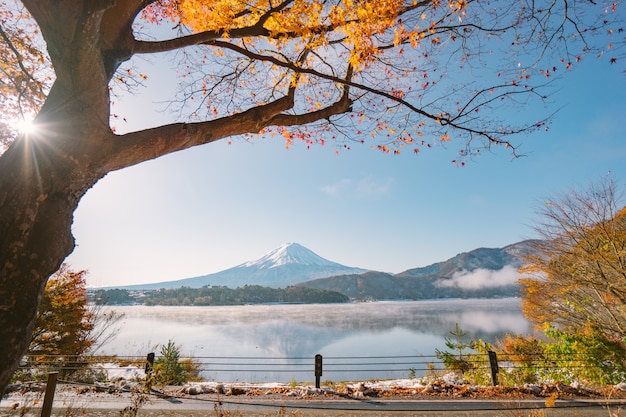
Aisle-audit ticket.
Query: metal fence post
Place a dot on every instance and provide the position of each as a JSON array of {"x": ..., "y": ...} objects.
[
  {"x": 318, "y": 369},
  {"x": 51, "y": 385},
  {"x": 493, "y": 364}
]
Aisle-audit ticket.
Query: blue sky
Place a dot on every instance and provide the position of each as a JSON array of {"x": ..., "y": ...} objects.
[{"x": 211, "y": 208}]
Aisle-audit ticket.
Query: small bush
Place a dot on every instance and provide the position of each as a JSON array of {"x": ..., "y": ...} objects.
[
  {"x": 583, "y": 355},
  {"x": 169, "y": 369},
  {"x": 466, "y": 357},
  {"x": 458, "y": 358}
]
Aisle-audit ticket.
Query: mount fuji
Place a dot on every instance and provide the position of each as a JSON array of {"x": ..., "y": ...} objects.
[{"x": 289, "y": 264}]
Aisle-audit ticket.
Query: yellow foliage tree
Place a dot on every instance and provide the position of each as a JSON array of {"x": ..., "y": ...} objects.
[
  {"x": 577, "y": 279},
  {"x": 64, "y": 322}
]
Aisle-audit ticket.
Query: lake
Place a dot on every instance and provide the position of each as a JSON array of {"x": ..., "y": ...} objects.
[{"x": 265, "y": 337}]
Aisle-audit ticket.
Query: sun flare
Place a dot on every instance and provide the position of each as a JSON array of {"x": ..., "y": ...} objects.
[{"x": 24, "y": 126}]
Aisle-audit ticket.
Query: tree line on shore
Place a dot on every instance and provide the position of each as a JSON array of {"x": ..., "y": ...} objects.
[{"x": 218, "y": 296}]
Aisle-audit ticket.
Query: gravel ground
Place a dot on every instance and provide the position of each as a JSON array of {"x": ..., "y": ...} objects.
[{"x": 213, "y": 399}]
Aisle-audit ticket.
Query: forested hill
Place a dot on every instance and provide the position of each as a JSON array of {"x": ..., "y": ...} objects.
[
  {"x": 480, "y": 273},
  {"x": 220, "y": 296}
]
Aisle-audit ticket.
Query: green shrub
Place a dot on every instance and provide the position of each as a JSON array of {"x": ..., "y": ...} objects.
[
  {"x": 457, "y": 357},
  {"x": 466, "y": 357},
  {"x": 587, "y": 354},
  {"x": 583, "y": 355},
  {"x": 169, "y": 369}
]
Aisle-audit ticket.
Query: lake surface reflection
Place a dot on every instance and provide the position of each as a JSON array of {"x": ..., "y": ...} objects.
[{"x": 402, "y": 328}]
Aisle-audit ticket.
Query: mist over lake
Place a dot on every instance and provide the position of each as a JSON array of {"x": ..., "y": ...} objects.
[{"x": 390, "y": 328}]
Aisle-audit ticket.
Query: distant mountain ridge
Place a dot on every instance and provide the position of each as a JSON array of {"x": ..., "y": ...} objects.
[
  {"x": 480, "y": 273},
  {"x": 481, "y": 258},
  {"x": 289, "y": 264}
]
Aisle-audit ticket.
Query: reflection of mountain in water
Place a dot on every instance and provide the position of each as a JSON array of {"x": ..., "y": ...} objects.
[
  {"x": 282, "y": 339},
  {"x": 297, "y": 330}
]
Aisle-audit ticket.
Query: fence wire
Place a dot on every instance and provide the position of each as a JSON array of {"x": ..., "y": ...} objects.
[
  {"x": 363, "y": 367},
  {"x": 370, "y": 366}
]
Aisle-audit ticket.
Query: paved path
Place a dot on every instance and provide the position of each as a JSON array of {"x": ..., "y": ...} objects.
[{"x": 111, "y": 405}]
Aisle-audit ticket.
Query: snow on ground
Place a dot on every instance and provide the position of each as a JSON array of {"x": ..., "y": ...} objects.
[{"x": 115, "y": 372}]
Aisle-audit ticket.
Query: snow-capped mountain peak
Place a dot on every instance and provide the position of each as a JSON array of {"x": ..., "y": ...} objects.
[
  {"x": 289, "y": 253},
  {"x": 286, "y": 265}
]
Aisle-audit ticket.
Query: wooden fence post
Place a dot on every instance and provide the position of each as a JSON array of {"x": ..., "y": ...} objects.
[
  {"x": 493, "y": 364},
  {"x": 51, "y": 385},
  {"x": 149, "y": 365},
  {"x": 318, "y": 369}
]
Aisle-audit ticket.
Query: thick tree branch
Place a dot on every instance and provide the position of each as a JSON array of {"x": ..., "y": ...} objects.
[
  {"x": 136, "y": 147},
  {"x": 149, "y": 47},
  {"x": 256, "y": 30},
  {"x": 117, "y": 34}
]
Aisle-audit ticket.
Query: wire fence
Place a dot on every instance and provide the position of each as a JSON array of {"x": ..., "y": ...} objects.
[
  {"x": 486, "y": 367},
  {"x": 331, "y": 368},
  {"x": 80, "y": 372}
]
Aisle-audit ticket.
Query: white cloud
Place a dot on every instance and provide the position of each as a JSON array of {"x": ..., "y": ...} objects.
[
  {"x": 483, "y": 278},
  {"x": 371, "y": 186},
  {"x": 365, "y": 187},
  {"x": 338, "y": 188}
]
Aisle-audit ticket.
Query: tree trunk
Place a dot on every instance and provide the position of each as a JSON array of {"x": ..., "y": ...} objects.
[
  {"x": 42, "y": 178},
  {"x": 44, "y": 175}
]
